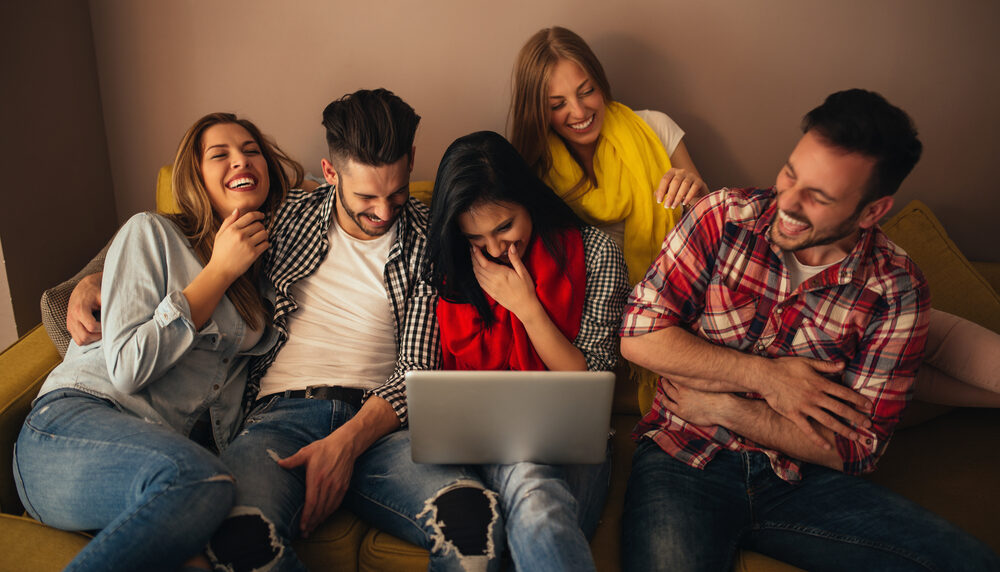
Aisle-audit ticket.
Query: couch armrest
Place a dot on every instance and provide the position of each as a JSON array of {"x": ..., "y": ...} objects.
[
  {"x": 56, "y": 299},
  {"x": 23, "y": 367}
]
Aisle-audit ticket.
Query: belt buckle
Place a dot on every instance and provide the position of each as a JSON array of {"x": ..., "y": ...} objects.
[{"x": 309, "y": 391}]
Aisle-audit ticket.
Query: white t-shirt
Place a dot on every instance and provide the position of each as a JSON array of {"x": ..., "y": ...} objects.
[
  {"x": 670, "y": 134},
  {"x": 799, "y": 272},
  {"x": 343, "y": 332}
]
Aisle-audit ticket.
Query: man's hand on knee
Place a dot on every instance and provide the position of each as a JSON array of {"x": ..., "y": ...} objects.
[
  {"x": 84, "y": 302},
  {"x": 329, "y": 464}
]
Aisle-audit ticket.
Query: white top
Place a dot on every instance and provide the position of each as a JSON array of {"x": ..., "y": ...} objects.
[
  {"x": 343, "y": 332},
  {"x": 670, "y": 134},
  {"x": 798, "y": 272}
]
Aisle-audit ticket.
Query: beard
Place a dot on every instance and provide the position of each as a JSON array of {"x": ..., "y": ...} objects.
[{"x": 362, "y": 219}]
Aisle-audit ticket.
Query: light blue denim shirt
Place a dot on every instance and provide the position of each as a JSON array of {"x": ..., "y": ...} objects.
[{"x": 152, "y": 361}]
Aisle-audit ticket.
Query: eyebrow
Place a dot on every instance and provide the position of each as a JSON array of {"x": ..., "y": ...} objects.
[{"x": 812, "y": 189}]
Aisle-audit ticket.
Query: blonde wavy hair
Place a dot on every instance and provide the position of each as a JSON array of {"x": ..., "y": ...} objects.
[
  {"x": 528, "y": 117},
  {"x": 199, "y": 221}
]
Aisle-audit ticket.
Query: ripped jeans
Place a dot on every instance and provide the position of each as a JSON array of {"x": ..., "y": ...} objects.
[
  {"x": 543, "y": 513},
  {"x": 446, "y": 509},
  {"x": 154, "y": 495}
]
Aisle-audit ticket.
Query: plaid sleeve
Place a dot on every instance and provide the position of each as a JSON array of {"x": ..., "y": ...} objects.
[
  {"x": 607, "y": 286},
  {"x": 419, "y": 345},
  {"x": 673, "y": 289},
  {"x": 884, "y": 368}
]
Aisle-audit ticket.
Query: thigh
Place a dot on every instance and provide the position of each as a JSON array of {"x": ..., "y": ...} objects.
[
  {"x": 398, "y": 496},
  {"x": 276, "y": 430},
  {"x": 832, "y": 521},
  {"x": 589, "y": 486},
  {"x": 81, "y": 462},
  {"x": 680, "y": 518}
]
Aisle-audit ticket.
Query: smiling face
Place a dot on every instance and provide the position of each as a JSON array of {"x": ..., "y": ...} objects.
[
  {"x": 494, "y": 227},
  {"x": 233, "y": 169},
  {"x": 576, "y": 105},
  {"x": 369, "y": 198},
  {"x": 820, "y": 189}
]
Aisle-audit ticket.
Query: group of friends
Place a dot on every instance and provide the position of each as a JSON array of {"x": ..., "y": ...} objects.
[{"x": 245, "y": 378}]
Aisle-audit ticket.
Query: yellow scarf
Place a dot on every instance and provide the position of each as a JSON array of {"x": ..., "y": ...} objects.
[{"x": 629, "y": 163}]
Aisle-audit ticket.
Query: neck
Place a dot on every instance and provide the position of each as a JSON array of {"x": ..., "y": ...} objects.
[
  {"x": 584, "y": 155},
  {"x": 828, "y": 253}
]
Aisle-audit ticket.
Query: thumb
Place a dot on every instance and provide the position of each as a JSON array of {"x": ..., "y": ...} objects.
[
  {"x": 826, "y": 366},
  {"x": 296, "y": 460}
]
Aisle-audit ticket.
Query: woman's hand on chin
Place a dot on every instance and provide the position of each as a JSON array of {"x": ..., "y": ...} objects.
[
  {"x": 240, "y": 240},
  {"x": 512, "y": 287}
]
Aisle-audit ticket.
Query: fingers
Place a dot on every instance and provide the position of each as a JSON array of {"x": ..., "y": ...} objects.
[
  {"x": 661, "y": 189},
  {"x": 515, "y": 261},
  {"x": 802, "y": 422}
]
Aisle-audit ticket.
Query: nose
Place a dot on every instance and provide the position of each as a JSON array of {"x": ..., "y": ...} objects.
[
  {"x": 495, "y": 247},
  {"x": 790, "y": 199},
  {"x": 383, "y": 209},
  {"x": 238, "y": 160},
  {"x": 574, "y": 107}
]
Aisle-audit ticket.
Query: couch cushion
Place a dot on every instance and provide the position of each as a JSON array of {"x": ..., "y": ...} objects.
[
  {"x": 27, "y": 544},
  {"x": 956, "y": 286},
  {"x": 335, "y": 544}
]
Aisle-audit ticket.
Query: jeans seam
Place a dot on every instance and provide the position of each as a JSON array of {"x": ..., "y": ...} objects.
[{"x": 848, "y": 539}]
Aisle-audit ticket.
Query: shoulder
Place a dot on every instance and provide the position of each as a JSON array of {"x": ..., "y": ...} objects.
[
  {"x": 666, "y": 129},
  {"x": 150, "y": 225},
  {"x": 599, "y": 250},
  {"x": 891, "y": 271},
  {"x": 417, "y": 216},
  {"x": 744, "y": 205}
]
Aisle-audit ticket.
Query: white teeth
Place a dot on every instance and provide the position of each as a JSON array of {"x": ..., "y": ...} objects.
[
  {"x": 790, "y": 222},
  {"x": 240, "y": 183},
  {"x": 582, "y": 125}
]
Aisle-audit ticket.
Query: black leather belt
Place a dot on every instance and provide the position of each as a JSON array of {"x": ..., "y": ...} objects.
[{"x": 349, "y": 395}]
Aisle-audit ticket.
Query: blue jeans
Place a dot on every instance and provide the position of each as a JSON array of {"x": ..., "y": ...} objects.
[
  {"x": 154, "y": 495},
  {"x": 446, "y": 509},
  {"x": 680, "y": 518},
  {"x": 541, "y": 511}
]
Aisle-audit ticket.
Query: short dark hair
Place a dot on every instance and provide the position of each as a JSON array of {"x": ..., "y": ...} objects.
[
  {"x": 861, "y": 121},
  {"x": 371, "y": 127},
  {"x": 485, "y": 167}
]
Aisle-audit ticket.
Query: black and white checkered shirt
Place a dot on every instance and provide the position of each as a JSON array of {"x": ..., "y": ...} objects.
[
  {"x": 299, "y": 244},
  {"x": 604, "y": 301}
]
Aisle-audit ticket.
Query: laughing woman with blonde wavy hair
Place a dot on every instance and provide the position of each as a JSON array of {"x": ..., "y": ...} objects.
[{"x": 123, "y": 434}]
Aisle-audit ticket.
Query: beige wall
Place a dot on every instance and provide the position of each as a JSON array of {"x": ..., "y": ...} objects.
[
  {"x": 58, "y": 206},
  {"x": 737, "y": 75}
]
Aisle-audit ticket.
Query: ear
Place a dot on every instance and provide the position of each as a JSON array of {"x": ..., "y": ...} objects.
[
  {"x": 413, "y": 151},
  {"x": 329, "y": 172},
  {"x": 874, "y": 211}
]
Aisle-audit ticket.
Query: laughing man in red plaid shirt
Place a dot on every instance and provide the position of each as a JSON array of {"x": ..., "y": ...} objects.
[{"x": 788, "y": 330}]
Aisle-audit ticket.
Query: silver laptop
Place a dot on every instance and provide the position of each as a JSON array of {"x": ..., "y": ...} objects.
[{"x": 477, "y": 417}]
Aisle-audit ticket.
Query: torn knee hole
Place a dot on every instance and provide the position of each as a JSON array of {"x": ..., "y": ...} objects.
[
  {"x": 246, "y": 541},
  {"x": 462, "y": 517}
]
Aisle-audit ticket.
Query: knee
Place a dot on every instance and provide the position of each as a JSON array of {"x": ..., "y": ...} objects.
[
  {"x": 464, "y": 521},
  {"x": 246, "y": 540}
]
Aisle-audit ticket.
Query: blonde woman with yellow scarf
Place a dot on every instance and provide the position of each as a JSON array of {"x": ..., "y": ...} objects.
[{"x": 625, "y": 172}]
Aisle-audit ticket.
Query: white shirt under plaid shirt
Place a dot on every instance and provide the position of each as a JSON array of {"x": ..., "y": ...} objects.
[{"x": 299, "y": 245}]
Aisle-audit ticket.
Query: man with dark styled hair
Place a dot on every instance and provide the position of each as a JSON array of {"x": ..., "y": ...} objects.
[
  {"x": 787, "y": 329},
  {"x": 353, "y": 315}
]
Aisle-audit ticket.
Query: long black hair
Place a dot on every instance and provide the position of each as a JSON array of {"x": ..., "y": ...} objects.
[{"x": 477, "y": 168}]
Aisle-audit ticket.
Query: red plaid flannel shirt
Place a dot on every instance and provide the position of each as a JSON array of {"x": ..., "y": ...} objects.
[{"x": 720, "y": 277}]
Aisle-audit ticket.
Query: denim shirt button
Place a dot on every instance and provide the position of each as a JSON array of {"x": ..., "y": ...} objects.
[
  {"x": 215, "y": 387},
  {"x": 225, "y": 360}
]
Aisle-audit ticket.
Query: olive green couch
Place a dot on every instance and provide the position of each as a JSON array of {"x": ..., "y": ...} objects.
[{"x": 941, "y": 458}]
